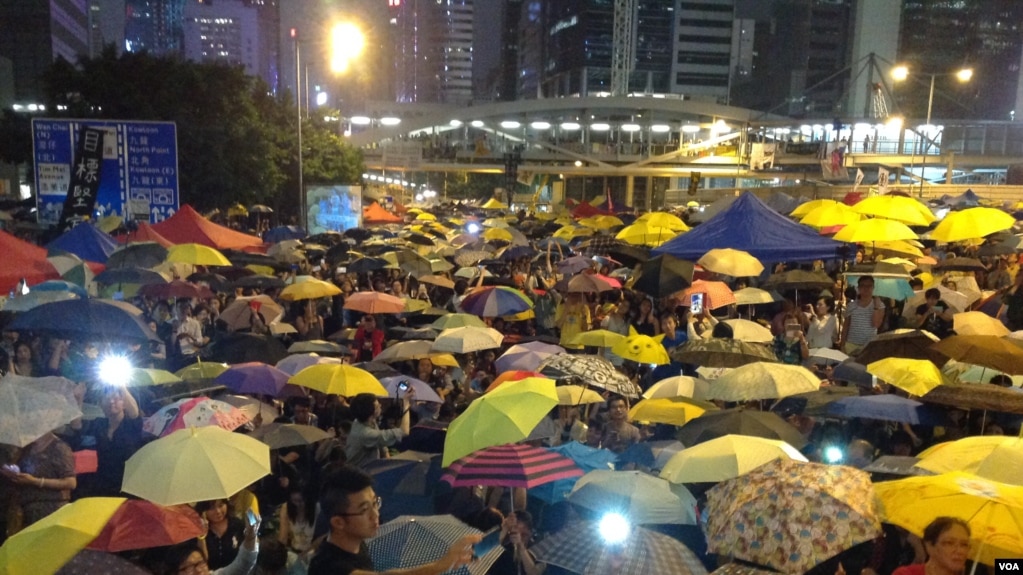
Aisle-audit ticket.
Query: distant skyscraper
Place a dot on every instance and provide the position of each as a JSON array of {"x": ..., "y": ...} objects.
[
  {"x": 106, "y": 25},
  {"x": 456, "y": 73},
  {"x": 154, "y": 26},
  {"x": 225, "y": 31},
  {"x": 703, "y": 48},
  {"x": 433, "y": 54},
  {"x": 34, "y": 33}
]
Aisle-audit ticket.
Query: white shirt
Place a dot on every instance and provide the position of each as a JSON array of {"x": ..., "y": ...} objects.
[{"x": 823, "y": 331}]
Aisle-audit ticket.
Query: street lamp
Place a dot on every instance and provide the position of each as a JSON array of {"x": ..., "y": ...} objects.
[
  {"x": 900, "y": 73},
  {"x": 346, "y": 44}
]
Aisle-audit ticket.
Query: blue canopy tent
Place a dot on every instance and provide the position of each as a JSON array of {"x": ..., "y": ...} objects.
[
  {"x": 750, "y": 225},
  {"x": 86, "y": 242}
]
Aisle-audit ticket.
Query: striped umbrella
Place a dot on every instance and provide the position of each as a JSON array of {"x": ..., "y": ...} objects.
[
  {"x": 496, "y": 301},
  {"x": 511, "y": 465},
  {"x": 408, "y": 541}
]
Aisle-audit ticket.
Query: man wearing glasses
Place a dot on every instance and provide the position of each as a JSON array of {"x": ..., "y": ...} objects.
[{"x": 353, "y": 507}]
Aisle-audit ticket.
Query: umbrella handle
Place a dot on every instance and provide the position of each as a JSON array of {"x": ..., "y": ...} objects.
[{"x": 976, "y": 559}]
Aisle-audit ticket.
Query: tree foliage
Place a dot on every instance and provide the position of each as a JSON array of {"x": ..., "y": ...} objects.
[{"x": 236, "y": 142}]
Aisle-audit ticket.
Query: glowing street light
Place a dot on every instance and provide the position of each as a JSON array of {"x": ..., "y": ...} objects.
[
  {"x": 346, "y": 44},
  {"x": 900, "y": 73}
]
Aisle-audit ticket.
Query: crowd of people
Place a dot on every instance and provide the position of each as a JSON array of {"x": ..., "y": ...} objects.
[{"x": 319, "y": 506}]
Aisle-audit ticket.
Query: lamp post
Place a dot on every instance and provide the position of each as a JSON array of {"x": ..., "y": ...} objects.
[
  {"x": 346, "y": 45},
  {"x": 900, "y": 73}
]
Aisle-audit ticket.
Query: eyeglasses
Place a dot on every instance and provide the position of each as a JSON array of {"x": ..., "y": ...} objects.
[
  {"x": 199, "y": 566},
  {"x": 374, "y": 506}
]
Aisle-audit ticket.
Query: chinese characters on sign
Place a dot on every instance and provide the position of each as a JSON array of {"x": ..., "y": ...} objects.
[{"x": 84, "y": 184}]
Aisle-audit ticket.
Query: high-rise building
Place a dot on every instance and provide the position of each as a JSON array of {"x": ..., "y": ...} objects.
[
  {"x": 433, "y": 51},
  {"x": 106, "y": 25},
  {"x": 225, "y": 31},
  {"x": 34, "y": 33},
  {"x": 456, "y": 72},
  {"x": 154, "y": 26},
  {"x": 703, "y": 48}
]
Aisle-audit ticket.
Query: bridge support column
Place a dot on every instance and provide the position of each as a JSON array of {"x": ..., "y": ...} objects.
[
  {"x": 948, "y": 168},
  {"x": 649, "y": 193},
  {"x": 630, "y": 190}
]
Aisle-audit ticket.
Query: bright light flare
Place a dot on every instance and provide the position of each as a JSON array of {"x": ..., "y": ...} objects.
[
  {"x": 346, "y": 44},
  {"x": 115, "y": 370},
  {"x": 614, "y": 528}
]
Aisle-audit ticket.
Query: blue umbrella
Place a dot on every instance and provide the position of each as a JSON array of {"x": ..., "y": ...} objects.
[
  {"x": 887, "y": 407},
  {"x": 586, "y": 457},
  {"x": 86, "y": 242},
  {"x": 253, "y": 378},
  {"x": 895, "y": 288},
  {"x": 651, "y": 454},
  {"x": 282, "y": 233},
  {"x": 423, "y": 390},
  {"x": 60, "y": 285},
  {"x": 86, "y": 319}
]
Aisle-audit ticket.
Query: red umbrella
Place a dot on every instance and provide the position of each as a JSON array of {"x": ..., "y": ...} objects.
[
  {"x": 511, "y": 465},
  {"x": 717, "y": 293},
  {"x": 176, "y": 289},
  {"x": 507, "y": 376},
  {"x": 139, "y": 524}
]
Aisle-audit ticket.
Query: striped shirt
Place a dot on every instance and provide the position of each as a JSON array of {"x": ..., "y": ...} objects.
[{"x": 860, "y": 318}]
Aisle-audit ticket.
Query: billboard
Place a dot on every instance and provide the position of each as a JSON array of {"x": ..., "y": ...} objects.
[
  {"x": 333, "y": 208},
  {"x": 139, "y": 172}
]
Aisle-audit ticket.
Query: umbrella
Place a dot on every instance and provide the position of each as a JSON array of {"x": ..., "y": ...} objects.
[
  {"x": 253, "y": 378},
  {"x": 597, "y": 338},
  {"x": 722, "y": 352},
  {"x": 202, "y": 371},
  {"x": 904, "y": 343},
  {"x": 142, "y": 525},
  {"x": 259, "y": 281},
  {"x": 241, "y": 347},
  {"x": 986, "y": 350},
  {"x": 825, "y": 355},
  {"x": 467, "y": 340},
  {"x": 830, "y": 215},
  {"x": 130, "y": 275},
  {"x": 887, "y": 407},
  {"x": 405, "y": 351},
  {"x": 991, "y": 509},
  {"x": 495, "y": 301},
  {"x": 791, "y": 515},
  {"x": 255, "y": 410},
  {"x": 575, "y": 265},
  {"x": 89, "y": 562},
  {"x": 375, "y": 302},
  {"x": 873, "y": 230},
  {"x": 978, "y": 323},
  {"x": 739, "y": 422},
  {"x": 196, "y": 254},
  {"x": 591, "y": 370},
  {"x": 438, "y": 281},
  {"x": 296, "y": 363},
  {"x": 900, "y": 208},
  {"x": 915, "y": 376},
  {"x": 143, "y": 377},
  {"x": 956, "y": 300},
  {"x": 176, "y": 289},
  {"x": 663, "y": 220},
  {"x": 581, "y": 548},
  {"x": 644, "y": 234},
  {"x": 61, "y": 286},
  {"x": 798, "y": 280},
  {"x": 506, "y": 414},
  {"x": 641, "y": 349},
  {"x": 811, "y": 205},
  {"x": 989, "y": 397},
  {"x": 643, "y": 498},
  {"x": 137, "y": 255},
  {"x": 318, "y": 345},
  {"x": 664, "y": 275},
  {"x": 670, "y": 410},
  {"x": 577, "y": 395},
  {"x": 217, "y": 282},
  {"x": 34, "y": 299},
  {"x": 31, "y": 407},
  {"x": 959, "y": 264},
  {"x": 762, "y": 381},
  {"x": 751, "y": 331},
  {"x": 725, "y": 458},
  {"x": 457, "y": 320},
  {"x": 506, "y": 376},
  {"x": 994, "y": 457},
  {"x": 239, "y": 314},
  {"x": 409, "y": 541},
  {"x": 310, "y": 289},
  {"x": 193, "y": 412},
  {"x": 971, "y": 224},
  {"x": 731, "y": 262},
  {"x": 754, "y": 296},
  {"x": 338, "y": 379},
  {"x": 902, "y": 465},
  {"x": 280, "y": 435},
  {"x": 91, "y": 319},
  {"x": 423, "y": 390},
  {"x": 46, "y": 545},
  {"x": 510, "y": 465},
  {"x": 196, "y": 464},
  {"x": 716, "y": 294},
  {"x": 651, "y": 454},
  {"x": 526, "y": 356},
  {"x": 678, "y": 386},
  {"x": 588, "y": 283}
]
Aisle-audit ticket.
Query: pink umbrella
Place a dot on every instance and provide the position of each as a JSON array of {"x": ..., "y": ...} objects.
[{"x": 194, "y": 412}]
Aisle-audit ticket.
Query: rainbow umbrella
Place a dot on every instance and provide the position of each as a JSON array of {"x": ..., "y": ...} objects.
[{"x": 496, "y": 301}]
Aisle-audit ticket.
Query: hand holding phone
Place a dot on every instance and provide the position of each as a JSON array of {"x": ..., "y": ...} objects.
[
  {"x": 252, "y": 518},
  {"x": 696, "y": 303}
]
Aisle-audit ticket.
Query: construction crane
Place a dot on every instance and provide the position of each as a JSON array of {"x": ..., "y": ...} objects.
[{"x": 623, "y": 50}]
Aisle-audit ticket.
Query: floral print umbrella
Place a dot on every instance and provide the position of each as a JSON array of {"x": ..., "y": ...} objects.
[{"x": 791, "y": 515}]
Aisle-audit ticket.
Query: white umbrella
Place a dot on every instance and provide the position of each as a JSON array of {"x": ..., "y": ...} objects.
[
  {"x": 763, "y": 381},
  {"x": 467, "y": 339},
  {"x": 296, "y": 363},
  {"x": 753, "y": 296},
  {"x": 751, "y": 331},
  {"x": 30, "y": 407},
  {"x": 827, "y": 355},
  {"x": 678, "y": 386}
]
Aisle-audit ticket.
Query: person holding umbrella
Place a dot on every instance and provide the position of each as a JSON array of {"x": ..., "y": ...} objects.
[
  {"x": 44, "y": 477},
  {"x": 366, "y": 439},
  {"x": 353, "y": 511}
]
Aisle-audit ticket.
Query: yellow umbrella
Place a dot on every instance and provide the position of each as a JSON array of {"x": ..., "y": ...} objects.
[
  {"x": 505, "y": 415},
  {"x": 577, "y": 395},
  {"x": 994, "y": 457},
  {"x": 426, "y": 216},
  {"x": 899, "y": 208},
  {"x": 570, "y": 232},
  {"x": 807, "y": 207},
  {"x": 237, "y": 210},
  {"x": 521, "y": 316},
  {"x": 197, "y": 255},
  {"x": 444, "y": 360},
  {"x": 642, "y": 234},
  {"x": 896, "y": 248},
  {"x": 196, "y": 464},
  {"x": 497, "y": 234},
  {"x": 416, "y": 305},
  {"x": 831, "y": 215},
  {"x": 672, "y": 411},
  {"x": 494, "y": 204},
  {"x": 978, "y": 323},
  {"x": 109, "y": 223},
  {"x": 262, "y": 270},
  {"x": 597, "y": 338},
  {"x": 725, "y": 457},
  {"x": 601, "y": 222},
  {"x": 762, "y": 380},
  {"x": 875, "y": 230},
  {"x": 310, "y": 289},
  {"x": 663, "y": 220},
  {"x": 915, "y": 376},
  {"x": 564, "y": 221},
  {"x": 338, "y": 379},
  {"x": 731, "y": 262},
  {"x": 45, "y": 546},
  {"x": 201, "y": 371},
  {"x": 642, "y": 349},
  {"x": 906, "y": 264},
  {"x": 993, "y": 510},
  {"x": 142, "y": 377},
  {"x": 971, "y": 224}
]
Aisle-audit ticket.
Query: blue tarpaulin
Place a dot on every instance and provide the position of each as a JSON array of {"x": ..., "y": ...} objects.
[
  {"x": 86, "y": 242},
  {"x": 750, "y": 225}
]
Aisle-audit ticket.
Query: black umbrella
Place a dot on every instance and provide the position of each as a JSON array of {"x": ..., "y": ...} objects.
[
  {"x": 245, "y": 347},
  {"x": 215, "y": 281},
  {"x": 378, "y": 369},
  {"x": 409, "y": 334},
  {"x": 516, "y": 252},
  {"x": 798, "y": 279},
  {"x": 664, "y": 275},
  {"x": 240, "y": 258},
  {"x": 358, "y": 234},
  {"x": 140, "y": 276},
  {"x": 722, "y": 352},
  {"x": 366, "y": 265},
  {"x": 419, "y": 239},
  {"x": 86, "y": 319},
  {"x": 338, "y": 253},
  {"x": 628, "y": 254},
  {"x": 911, "y": 344},
  {"x": 259, "y": 281},
  {"x": 960, "y": 265},
  {"x": 138, "y": 255},
  {"x": 739, "y": 421},
  {"x": 326, "y": 238}
]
